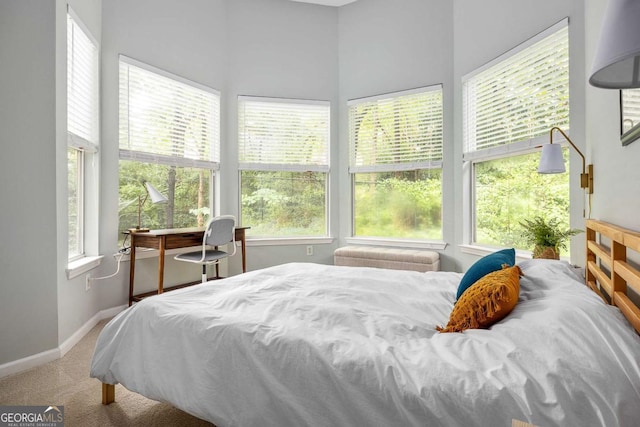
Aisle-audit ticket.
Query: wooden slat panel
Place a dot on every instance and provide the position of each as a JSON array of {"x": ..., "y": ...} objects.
[
  {"x": 630, "y": 311},
  {"x": 609, "y": 230},
  {"x": 591, "y": 256},
  {"x": 595, "y": 289},
  {"x": 628, "y": 273},
  {"x": 618, "y": 253},
  {"x": 632, "y": 241},
  {"x": 623, "y": 275},
  {"x": 603, "y": 279},
  {"x": 601, "y": 252}
]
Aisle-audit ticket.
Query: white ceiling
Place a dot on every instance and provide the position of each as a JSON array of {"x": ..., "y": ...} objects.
[{"x": 327, "y": 2}]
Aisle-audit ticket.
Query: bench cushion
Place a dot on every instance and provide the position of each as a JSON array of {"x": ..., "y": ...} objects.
[{"x": 392, "y": 258}]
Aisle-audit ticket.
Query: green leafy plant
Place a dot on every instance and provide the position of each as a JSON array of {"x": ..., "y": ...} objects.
[{"x": 542, "y": 234}]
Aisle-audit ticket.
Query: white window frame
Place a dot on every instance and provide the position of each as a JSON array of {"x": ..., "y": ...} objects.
[
  {"x": 471, "y": 157},
  {"x": 406, "y": 166},
  {"x": 212, "y": 164},
  {"x": 277, "y": 166},
  {"x": 87, "y": 144}
]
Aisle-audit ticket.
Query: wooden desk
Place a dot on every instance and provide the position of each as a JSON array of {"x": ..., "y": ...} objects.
[{"x": 172, "y": 239}]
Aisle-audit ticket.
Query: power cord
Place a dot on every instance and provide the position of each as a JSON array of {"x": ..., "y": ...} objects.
[
  {"x": 125, "y": 250},
  {"x": 118, "y": 256}
]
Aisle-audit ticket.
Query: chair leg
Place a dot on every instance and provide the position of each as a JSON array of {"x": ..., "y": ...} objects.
[{"x": 204, "y": 273}]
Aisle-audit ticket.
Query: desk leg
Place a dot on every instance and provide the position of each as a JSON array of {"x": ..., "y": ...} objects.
[
  {"x": 132, "y": 269},
  {"x": 161, "y": 265},
  {"x": 243, "y": 246}
]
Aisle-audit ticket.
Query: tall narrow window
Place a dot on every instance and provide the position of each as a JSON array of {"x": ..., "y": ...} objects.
[
  {"x": 509, "y": 106},
  {"x": 169, "y": 137},
  {"x": 284, "y": 163},
  {"x": 82, "y": 125},
  {"x": 395, "y": 145}
]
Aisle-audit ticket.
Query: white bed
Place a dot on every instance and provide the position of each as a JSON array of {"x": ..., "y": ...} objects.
[{"x": 316, "y": 345}]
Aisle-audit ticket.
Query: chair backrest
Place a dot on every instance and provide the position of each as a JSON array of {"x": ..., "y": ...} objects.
[{"x": 220, "y": 231}]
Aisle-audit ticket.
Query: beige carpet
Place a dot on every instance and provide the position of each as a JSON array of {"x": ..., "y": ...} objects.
[{"x": 66, "y": 382}]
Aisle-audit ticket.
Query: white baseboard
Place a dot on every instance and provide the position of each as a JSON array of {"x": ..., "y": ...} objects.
[
  {"x": 84, "y": 330},
  {"x": 29, "y": 362},
  {"x": 36, "y": 360}
]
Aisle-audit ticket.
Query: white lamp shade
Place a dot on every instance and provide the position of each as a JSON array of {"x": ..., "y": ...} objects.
[
  {"x": 617, "y": 60},
  {"x": 156, "y": 196},
  {"x": 551, "y": 160}
]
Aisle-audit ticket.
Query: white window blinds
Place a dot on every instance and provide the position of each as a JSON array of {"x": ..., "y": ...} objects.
[
  {"x": 399, "y": 131},
  {"x": 519, "y": 96},
  {"x": 166, "y": 119},
  {"x": 82, "y": 87},
  {"x": 283, "y": 134}
]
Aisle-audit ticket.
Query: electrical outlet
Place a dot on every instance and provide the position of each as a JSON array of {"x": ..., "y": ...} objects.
[
  {"x": 87, "y": 282},
  {"x": 309, "y": 250}
]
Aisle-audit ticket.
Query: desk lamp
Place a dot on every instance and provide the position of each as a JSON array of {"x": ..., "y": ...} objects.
[{"x": 156, "y": 197}]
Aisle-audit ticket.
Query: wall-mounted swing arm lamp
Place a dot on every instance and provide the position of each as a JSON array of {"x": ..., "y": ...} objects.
[
  {"x": 156, "y": 197},
  {"x": 551, "y": 161},
  {"x": 617, "y": 60}
]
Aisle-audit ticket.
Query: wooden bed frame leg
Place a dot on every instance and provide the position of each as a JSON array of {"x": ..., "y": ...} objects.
[{"x": 108, "y": 393}]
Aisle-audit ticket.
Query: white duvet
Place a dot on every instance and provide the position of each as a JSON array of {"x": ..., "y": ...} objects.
[{"x": 316, "y": 345}]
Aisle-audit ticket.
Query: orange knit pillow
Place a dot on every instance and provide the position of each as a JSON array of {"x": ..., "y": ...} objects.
[{"x": 487, "y": 301}]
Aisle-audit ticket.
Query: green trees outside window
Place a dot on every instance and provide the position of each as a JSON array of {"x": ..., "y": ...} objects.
[
  {"x": 395, "y": 143},
  {"x": 405, "y": 204},
  {"x": 284, "y": 204},
  {"x": 283, "y": 154},
  {"x": 510, "y": 190},
  {"x": 74, "y": 185}
]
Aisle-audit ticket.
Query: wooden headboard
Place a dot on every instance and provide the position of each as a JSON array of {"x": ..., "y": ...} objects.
[{"x": 607, "y": 268}]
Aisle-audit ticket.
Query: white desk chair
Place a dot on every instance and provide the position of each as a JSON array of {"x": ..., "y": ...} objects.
[{"x": 219, "y": 231}]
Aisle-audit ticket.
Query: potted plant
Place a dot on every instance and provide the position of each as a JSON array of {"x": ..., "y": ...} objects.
[{"x": 546, "y": 236}]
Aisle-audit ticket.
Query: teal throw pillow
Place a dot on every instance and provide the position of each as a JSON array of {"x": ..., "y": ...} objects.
[{"x": 485, "y": 265}]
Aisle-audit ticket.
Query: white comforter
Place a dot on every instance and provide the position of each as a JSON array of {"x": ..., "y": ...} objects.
[{"x": 316, "y": 345}]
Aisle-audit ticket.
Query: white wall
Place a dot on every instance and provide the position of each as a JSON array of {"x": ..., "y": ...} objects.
[
  {"x": 28, "y": 257},
  {"x": 616, "y": 193}
]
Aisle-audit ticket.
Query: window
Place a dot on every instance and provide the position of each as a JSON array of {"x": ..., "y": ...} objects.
[
  {"x": 509, "y": 106},
  {"x": 284, "y": 163},
  {"x": 82, "y": 130},
  {"x": 630, "y": 108},
  {"x": 169, "y": 137},
  {"x": 395, "y": 145},
  {"x": 629, "y": 115}
]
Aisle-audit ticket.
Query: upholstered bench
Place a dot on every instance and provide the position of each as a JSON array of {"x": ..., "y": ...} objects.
[{"x": 393, "y": 258}]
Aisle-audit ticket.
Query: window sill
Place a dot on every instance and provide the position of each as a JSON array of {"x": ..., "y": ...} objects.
[
  {"x": 486, "y": 250},
  {"x": 82, "y": 265},
  {"x": 285, "y": 241},
  {"x": 398, "y": 243}
]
